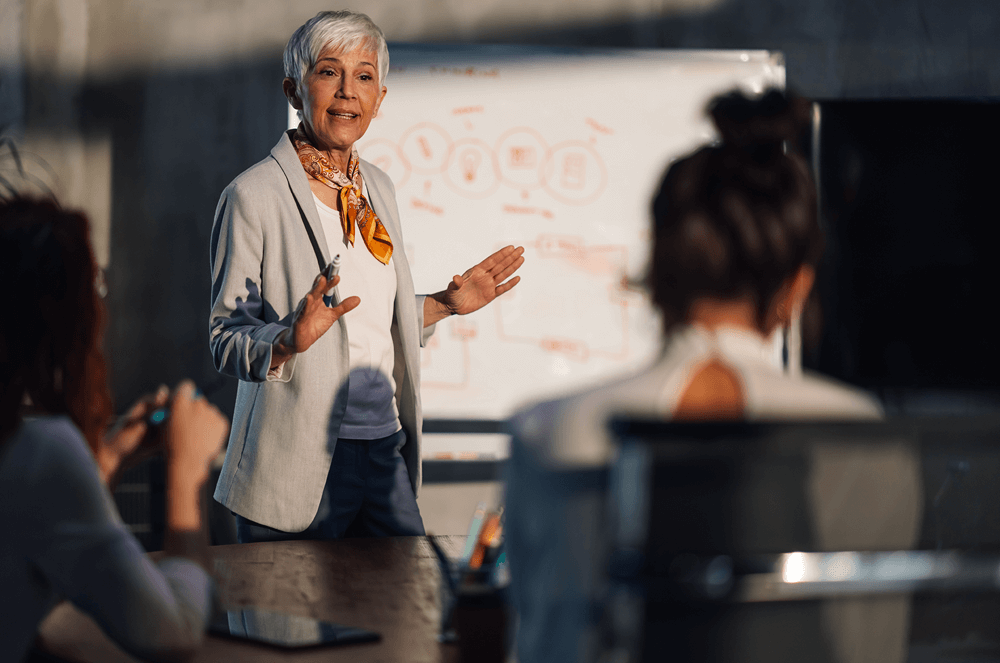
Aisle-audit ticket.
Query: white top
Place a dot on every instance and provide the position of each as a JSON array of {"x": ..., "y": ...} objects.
[
  {"x": 554, "y": 532},
  {"x": 578, "y": 438},
  {"x": 371, "y": 411},
  {"x": 63, "y": 539}
]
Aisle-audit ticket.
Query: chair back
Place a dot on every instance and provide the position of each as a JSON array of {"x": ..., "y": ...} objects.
[{"x": 693, "y": 507}]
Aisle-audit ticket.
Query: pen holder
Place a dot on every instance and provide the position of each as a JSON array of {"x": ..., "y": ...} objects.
[
  {"x": 480, "y": 623},
  {"x": 454, "y": 589},
  {"x": 473, "y": 593},
  {"x": 474, "y": 613}
]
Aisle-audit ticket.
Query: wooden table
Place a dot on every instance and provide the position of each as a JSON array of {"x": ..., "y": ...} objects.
[{"x": 387, "y": 585}]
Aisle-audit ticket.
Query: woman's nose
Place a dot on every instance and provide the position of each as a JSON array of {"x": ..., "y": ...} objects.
[{"x": 346, "y": 89}]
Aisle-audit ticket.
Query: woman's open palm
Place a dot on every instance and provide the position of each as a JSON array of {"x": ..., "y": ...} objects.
[{"x": 483, "y": 283}]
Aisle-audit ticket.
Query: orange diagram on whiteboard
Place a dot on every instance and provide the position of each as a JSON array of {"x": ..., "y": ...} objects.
[
  {"x": 575, "y": 173},
  {"x": 598, "y": 127},
  {"x": 446, "y": 365},
  {"x": 469, "y": 161},
  {"x": 527, "y": 210},
  {"x": 523, "y": 157},
  {"x": 520, "y": 151},
  {"x": 572, "y": 171},
  {"x": 425, "y": 146},
  {"x": 576, "y": 305},
  {"x": 384, "y": 154},
  {"x": 573, "y": 280},
  {"x": 471, "y": 169}
]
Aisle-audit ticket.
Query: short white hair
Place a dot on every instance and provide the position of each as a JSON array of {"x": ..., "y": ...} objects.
[{"x": 340, "y": 30}]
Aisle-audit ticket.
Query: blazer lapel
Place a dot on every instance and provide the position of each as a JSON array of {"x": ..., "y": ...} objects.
[
  {"x": 380, "y": 206},
  {"x": 286, "y": 156}
]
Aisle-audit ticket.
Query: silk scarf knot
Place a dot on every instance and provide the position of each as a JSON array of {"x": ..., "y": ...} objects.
[{"x": 355, "y": 210}]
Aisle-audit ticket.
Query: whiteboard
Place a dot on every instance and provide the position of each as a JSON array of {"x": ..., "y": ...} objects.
[{"x": 557, "y": 150}]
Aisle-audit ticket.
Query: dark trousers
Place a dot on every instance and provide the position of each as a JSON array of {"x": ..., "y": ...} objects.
[{"x": 367, "y": 493}]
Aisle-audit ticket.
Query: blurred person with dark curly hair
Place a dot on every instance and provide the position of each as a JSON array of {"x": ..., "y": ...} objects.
[
  {"x": 63, "y": 537},
  {"x": 736, "y": 244}
]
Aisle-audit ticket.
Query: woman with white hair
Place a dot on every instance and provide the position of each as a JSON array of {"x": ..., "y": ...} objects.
[{"x": 325, "y": 440}]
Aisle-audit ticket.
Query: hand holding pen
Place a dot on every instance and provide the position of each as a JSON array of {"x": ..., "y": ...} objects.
[
  {"x": 313, "y": 317},
  {"x": 148, "y": 428},
  {"x": 130, "y": 439}
]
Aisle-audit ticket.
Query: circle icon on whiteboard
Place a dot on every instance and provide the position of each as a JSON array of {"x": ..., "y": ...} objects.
[
  {"x": 472, "y": 169},
  {"x": 385, "y": 155},
  {"x": 574, "y": 173},
  {"x": 425, "y": 146},
  {"x": 521, "y": 155}
]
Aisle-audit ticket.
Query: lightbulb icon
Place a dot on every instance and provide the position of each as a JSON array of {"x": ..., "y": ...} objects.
[{"x": 470, "y": 161}]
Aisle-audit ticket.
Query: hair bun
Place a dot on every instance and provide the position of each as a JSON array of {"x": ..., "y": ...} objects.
[{"x": 763, "y": 122}]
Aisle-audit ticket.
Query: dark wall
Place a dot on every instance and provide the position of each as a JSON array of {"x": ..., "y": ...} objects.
[
  {"x": 833, "y": 48},
  {"x": 178, "y": 141},
  {"x": 909, "y": 274},
  {"x": 181, "y": 133}
]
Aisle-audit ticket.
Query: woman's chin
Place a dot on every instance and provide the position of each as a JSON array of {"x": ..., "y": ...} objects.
[{"x": 340, "y": 134}]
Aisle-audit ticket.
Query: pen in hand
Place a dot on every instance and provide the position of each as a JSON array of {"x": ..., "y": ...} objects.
[
  {"x": 332, "y": 270},
  {"x": 158, "y": 416}
]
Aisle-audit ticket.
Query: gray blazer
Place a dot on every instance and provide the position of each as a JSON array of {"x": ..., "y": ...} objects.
[{"x": 285, "y": 428}]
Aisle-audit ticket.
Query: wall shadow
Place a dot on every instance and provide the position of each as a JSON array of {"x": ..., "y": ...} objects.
[{"x": 178, "y": 140}]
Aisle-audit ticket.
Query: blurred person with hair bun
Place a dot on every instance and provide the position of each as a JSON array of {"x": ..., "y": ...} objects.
[
  {"x": 63, "y": 537},
  {"x": 735, "y": 247}
]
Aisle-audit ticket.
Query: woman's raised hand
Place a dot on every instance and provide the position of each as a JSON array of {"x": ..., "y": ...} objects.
[
  {"x": 312, "y": 319},
  {"x": 130, "y": 441},
  {"x": 483, "y": 283}
]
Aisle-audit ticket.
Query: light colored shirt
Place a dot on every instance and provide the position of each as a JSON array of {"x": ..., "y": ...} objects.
[
  {"x": 581, "y": 439},
  {"x": 63, "y": 539},
  {"x": 371, "y": 405},
  {"x": 555, "y": 496}
]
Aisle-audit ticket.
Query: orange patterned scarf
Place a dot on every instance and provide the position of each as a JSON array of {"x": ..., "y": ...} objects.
[{"x": 355, "y": 211}]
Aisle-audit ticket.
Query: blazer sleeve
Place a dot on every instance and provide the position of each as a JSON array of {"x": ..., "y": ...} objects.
[{"x": 239, "y": 338}]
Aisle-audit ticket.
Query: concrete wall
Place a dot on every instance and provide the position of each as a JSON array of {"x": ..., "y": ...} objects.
[{"x": 141, "y": 111}]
